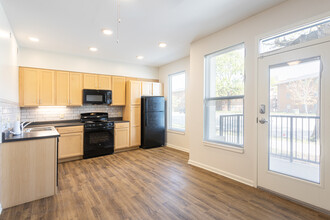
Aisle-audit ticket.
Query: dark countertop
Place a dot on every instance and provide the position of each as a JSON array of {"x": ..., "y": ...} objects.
[
  {"x": 68, "y": 123},
  {"x": 8, "y": 137}
]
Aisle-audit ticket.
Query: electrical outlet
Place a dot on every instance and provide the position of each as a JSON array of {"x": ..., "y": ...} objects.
[{"x": 61, "y": 116}]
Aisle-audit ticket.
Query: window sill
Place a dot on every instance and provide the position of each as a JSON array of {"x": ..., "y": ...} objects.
[
  {"x": 176, "y": 132},
  {"x": 224, "y": 147}
]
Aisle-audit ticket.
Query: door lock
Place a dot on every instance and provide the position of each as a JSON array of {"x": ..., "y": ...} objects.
[
  {"x": 263, "y": 121},
  {"x": 262, "y": 109}
]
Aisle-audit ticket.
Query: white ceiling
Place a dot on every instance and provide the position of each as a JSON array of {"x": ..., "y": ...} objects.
[{"x": 72, "y": 26}]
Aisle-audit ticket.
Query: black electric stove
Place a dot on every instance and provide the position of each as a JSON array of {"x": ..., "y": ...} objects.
[{"x": 98, "y": 134}]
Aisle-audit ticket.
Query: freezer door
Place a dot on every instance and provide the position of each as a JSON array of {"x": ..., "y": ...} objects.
[{"x": 153, "y": 104}]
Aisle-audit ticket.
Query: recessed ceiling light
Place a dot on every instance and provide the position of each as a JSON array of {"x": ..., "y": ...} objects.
[
  {"x": 34, "y": 39},
  {"x": 107, "y": 31},
  {"x": 162, "y": 44},
  {"x": 93, "y": 49},
  {"x": 140, "y": 57}
]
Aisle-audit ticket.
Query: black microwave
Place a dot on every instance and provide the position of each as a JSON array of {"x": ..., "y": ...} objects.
[{"x": 97, "y": 97}]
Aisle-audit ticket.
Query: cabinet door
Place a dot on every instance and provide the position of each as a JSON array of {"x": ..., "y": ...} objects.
[
  {"x": 29, "y": 87},
  {"x": 75, "y": 89},
  {"x": 47, "y": 87},
  {"x": 135, "y": 118},
  {"x": 121, "y": 138},
  {"x": 157, "y": 89},
  {"x": 104, "y": 82},
  {"x": 135, "y": 92},
  {"x": 62, "y": 88},
  {"x": 146, "y": 89},
  {"x": 118, "y": 90},
  {"x": 70, "y": 145},
  {"x": 90, "y": 81},
  {"x": 135, "y": 136}
]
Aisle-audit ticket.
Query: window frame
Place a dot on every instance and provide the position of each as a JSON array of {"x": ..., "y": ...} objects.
[
  {"x": 208, "y": 98},
  {"x": 170, "y": 128}
]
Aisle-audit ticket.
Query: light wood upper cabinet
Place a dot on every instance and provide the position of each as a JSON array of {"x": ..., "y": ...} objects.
[
  {"x": 47, "y": 87},
  {"x": 134, "y": 95},
  {"x": 157, "y": 89},
  {"x": 121, "y": 135},
  {"x": 68, "y": 88},
  {"x": 90, "y": 81},
  {"x": 104, "y": 82},
  {"x": 36, "y": 87},
  {"x": 146, "y": 89},
  {"x": 29, "y": 87},
  {"x": 95, "y": 81},
  {"x": 62, "y": 88},
  {"x": 118, "y": 90},
  {"x": 75, "y": 89}
]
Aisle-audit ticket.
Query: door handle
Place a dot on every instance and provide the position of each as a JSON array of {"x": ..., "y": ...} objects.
[{"x": 263, "y": 121}]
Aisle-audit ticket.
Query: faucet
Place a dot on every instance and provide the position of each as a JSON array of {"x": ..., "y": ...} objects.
[{"x": 24, "y": 124}]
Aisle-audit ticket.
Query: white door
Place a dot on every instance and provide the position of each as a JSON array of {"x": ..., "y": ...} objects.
[{"x": 294, "y": 124}]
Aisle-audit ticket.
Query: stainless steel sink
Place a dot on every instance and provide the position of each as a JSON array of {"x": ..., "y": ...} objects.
[{"x": 37, "y": 129}]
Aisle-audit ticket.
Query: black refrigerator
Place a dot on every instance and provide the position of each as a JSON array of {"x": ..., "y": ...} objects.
[{"x": 152, "y": 121}]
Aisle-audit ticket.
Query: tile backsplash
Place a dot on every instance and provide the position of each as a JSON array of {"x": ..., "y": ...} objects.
[
  {"x": 66, "y": 113},
  {"x": 9, "y": 113}
]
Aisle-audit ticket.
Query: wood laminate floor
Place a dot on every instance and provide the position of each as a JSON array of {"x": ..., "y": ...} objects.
[{"x": 153, "y": 184}]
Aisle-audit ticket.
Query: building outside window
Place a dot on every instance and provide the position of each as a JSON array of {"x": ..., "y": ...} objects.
[
  {"x": 224, "y": 96},
  {"x": 177, "y": 101}
]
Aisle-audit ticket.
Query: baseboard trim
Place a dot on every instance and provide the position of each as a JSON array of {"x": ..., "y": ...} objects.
[
  {"x": 223, "y": 173},
  {"x": 178, "y": 148}
]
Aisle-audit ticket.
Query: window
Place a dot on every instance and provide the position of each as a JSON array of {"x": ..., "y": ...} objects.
[
  {"x": 224, "y": 96},
  {"x": 315, "y": 30},
  {"x": 177, "y": 100}
]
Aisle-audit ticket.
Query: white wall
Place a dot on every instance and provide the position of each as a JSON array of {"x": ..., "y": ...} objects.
[
  {"x": 49, "y": 60},
  {"x": 176, "y": 140},
  {"x": 239, "y": 166},
  {"x": 8, "y": 61}
]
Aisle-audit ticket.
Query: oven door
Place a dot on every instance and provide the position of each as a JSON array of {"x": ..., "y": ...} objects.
[{"x": 98, "y": 142}]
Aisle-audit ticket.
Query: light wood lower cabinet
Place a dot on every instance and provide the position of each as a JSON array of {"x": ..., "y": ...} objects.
[
  {"x": 71, "y": 142},
  {"x": 28, "y": 171},
  {"x": 121, "y": 135}
]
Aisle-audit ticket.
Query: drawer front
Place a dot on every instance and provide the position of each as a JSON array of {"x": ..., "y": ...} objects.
[
  {"x": 73, "y": 129},
  {"x": 122, "y": 125}
]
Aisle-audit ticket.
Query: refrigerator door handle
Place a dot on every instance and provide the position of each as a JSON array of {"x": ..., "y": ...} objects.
[{"x": 146, "y": 120}]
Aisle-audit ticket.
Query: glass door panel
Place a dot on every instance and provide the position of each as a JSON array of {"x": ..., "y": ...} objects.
[{"x": 294, "y": 118}]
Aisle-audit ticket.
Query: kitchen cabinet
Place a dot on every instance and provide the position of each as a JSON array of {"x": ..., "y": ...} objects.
[
  {"x": 36, "y": 87},
  {"x": 95, "y": 81},
  {"x": 90, "y": 81},
  {"x": 118, "y": 91},
  {"x": 70, "y": 145},
  {"x": 75, "y": 89},
  {"x": 104, "y": 82},
  {"x": 157, "y": 89},
  {"x": 132, "y": 112},
  {"x": 28, "y": 171},
  {"x": 121, "y": 135},
  {"x": 146, "y": 89},
  {"x": 68, "y": 89},
  {"x": 134, "y": 94}
]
